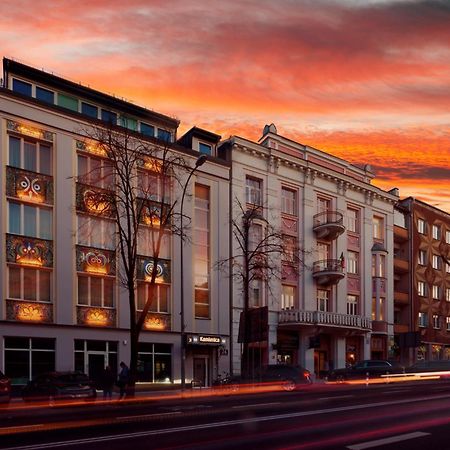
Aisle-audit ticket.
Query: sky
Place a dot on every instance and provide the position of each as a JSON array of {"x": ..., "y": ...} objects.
[{"x": 364, "y": 80}]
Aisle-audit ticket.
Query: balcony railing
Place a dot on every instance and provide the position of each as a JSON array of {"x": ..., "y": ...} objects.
[
  {"x": 328, "y": 225},
  {"x": 322, "y": 318},
  {"x": 328, "y": 271}
]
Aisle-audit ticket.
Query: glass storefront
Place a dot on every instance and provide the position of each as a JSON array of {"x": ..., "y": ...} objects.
[{"x": 154, "y": 363}]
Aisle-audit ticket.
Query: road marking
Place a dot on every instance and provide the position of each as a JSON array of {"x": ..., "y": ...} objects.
[
  {"x": 338, "y": 396},
  {"x": 147, "y": 416},
  {"x": 256, "y": 404},
  {"x": 389, "y": 440}
]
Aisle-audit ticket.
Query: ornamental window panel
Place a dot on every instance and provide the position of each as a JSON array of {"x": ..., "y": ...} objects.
[
  {"x": 29, "y": 220},
  {"x": 30, "y": 155},
  {"x": 253, "y": 191},
  {"x": 288, "y": 201},
  {"x": 96, "y": 232},
  {"x": 31, "y": 284},
  {"x": 158, "y": 294},
  {"x": 96, "y": 291}
]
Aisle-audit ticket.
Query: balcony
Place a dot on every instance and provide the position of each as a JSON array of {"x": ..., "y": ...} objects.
[
  {"x": 401, "y": 298},
  {"x": 379, "y": 326},
  {"x": 400, "y": 328},
  {"x": 328, "y": 271},
  {"x": 401, "y": 265},
  {"x": 326, "y": 319},
  {"x": 328, "y": 225}
]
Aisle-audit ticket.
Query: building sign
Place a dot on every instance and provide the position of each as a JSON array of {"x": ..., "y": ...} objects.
[{"x": 205, "y": 339}]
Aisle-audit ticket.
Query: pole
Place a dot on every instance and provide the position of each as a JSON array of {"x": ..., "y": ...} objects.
[{"x": 200, "y": 160}]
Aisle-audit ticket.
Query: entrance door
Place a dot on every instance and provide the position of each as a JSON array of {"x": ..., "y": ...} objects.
[
  {"x": 200, "y": 371},
  {"x": 96, "y": 365}
]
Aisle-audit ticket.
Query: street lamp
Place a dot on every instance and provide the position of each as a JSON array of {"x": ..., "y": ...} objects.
[{"x": 200, "y": 161}]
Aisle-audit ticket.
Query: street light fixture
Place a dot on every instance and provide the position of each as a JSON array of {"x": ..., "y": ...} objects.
[{"x": 200, "y": 161}]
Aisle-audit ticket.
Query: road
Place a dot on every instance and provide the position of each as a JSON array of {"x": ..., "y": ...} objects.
[{"x": 386, "y": 416}]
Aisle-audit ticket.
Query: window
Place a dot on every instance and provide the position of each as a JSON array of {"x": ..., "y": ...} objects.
[
  {"x": 89, "y": 110},
  {"x": 154, "y": 186},
  {"x": 31, "y": 221},
  {"x": 28, "y": 155},
  {"x": 378, "y": 227},
  {"x": 447, "y": 267},
  {"x": 352, "y": 305},
  {"x": 421, "y": 226},
  {"x": 202, "y": 266},
  {"x": 353, "y": 220},
  {"x": 164, "y": 135},
  {"x": 95, "y": 291},
  {"x": 68, "y": 102},
  {"x": 147, "y": 130},
  {"x": 422, "y": 257},
  {"x": 322, "y": 300},
  {"x": 253, "y": 191},
  {"x": 378, "y": 266},
  {"x": 256, "y": 291},
  {"x": 287, "y": 296},
  {"x": 95, "y": 171},
  {"x": 288, "y": 201},
  {"x": 447, "y": 319},
  {"x": 421, "y": 288},
  {"x": 109, "y": 116},
  {"x": 96, "y": 232},
  {"x": 436, "y": 292},
  {"x": 128, "y": 122},
  {"x": 205, "y": 148},
  {"x": 45, "y": 95},
  {"x": 423, "y": 319},
  {"x": 380, "y": 313},
  {"x": 154, "y": 363},
  {"x": 436, "y": 231},
  {"x": 323, "y": 251},
  {"x": 436, "y": 262},
  {"x": 290, "y": 249},
  {"x": 447, "y": 236},
  {"x": 148, "y": 239},
  {"x": 26, "y": 283},
  {"x": 21, "y": 87},
  {"x": 436, "y": 321},
  {"x": 447, "y": 294},
  {"x": 352, "y": 262},
  {"x": 159, "y": 295}
]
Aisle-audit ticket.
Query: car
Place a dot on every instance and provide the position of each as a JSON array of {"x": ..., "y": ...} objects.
[
  {"x": 58, "y": 386},
  {"x": 425, "y": 366},
  {"x": 288, "y": 377},
  {"x": 364, "y": 369},
  {"x": 5, "y": 388}
]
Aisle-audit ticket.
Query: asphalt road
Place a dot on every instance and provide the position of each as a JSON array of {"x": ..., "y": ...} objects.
[{"x": 387, "y": 416}]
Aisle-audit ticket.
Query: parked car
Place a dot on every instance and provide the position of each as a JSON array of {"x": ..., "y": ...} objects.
[
  {"x": 59, "y": 385},
  {"x": 5, "y": 388},
  {"x": 366, "y": 368},
  {"x": 287, "y": 376},
  {"x": 425, "y": 366}
]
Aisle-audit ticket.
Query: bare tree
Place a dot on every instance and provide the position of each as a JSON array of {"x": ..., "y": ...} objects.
[
  {"x": 261, "y": 251},
  {"x": 139, "y": 180}
]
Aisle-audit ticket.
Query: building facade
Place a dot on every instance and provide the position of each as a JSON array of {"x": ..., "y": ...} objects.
[
  {"x": 336, "y": 305},
  {"x": 63, "y": 306}
]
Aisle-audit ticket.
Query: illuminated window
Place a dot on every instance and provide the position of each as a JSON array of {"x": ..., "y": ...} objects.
[
  {"x": 30, "y": 155},
  {"x": 380, "y": 313},
  {"x": 421, "y": 288},
  {"x": 423, "y": 319},
  {"x": 96, "y": 232},
  {"x": 353, "y": 220},
  {"x": 29, "y": 284},
  {"x": 28, "y": 220},
  {"x": 436, "y": 292},
  {"x": 287, "y": 296},
  {"x": 352, "y": 305},
  {"x": 288, "y": 201},
  {"x": 421, "y": 226},
  {"x": 436, "y": 231},
  {"x": 323, "y": 298},
  {"x": 447, "y": 319},
  {"x": 378, "y": 266},
  {"x": 436, "y": 321},
  {"x": 352, "y": 262},
  {"x": 154, "y": 186},
  {"x": 148, "y": 243},
  {"x": 378, "y": 227},
  {"x": 436, "y": 262},
  {"x": 253, "y": 191},
  {"x": 201, "y": 249},
  {"x": 422, "y": 257},
  {"x": 96, "y": 291},
  {"x": 158, "y": 294},
  {"x": 95, "y": 171}
]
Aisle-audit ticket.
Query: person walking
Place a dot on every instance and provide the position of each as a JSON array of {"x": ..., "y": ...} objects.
[
  {"x": 108, "y": 379},
  {"x": 123, "y": 379}
]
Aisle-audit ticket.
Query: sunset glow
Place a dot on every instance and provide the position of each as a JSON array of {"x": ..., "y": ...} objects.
[{"x": 367, "y": 81}]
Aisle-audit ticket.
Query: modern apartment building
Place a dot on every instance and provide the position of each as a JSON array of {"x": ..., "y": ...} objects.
[
  {"x": 62, "y": 305},
  {"x": 335, "y": 306}
]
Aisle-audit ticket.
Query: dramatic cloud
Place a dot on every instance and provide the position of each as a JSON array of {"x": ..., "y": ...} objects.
[{"x": 367, "y": 81}]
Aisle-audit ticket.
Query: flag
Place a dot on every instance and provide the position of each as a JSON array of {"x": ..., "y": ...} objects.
[{"x": 342, "y": 260}]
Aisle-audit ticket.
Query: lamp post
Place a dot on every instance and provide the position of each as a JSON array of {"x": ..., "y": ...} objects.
[{"x": 200, "y": 161}]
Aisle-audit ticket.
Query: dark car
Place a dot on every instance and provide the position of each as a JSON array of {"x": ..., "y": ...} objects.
[
  {"x": 366, "y": 368},
  {"x": 425, "y": 366},
  {"x": 285, "y": 376},
  {"x": 59, "y": 385},
  {"x": 5, "y": 388}
]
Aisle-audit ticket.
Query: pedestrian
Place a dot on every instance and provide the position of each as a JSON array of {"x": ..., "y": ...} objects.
[
  {"x": 108, "y": 379},
  {"x": 123, "y": 379}
]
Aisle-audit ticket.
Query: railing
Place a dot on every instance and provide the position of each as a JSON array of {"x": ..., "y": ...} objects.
[
  {"x": 328, "y": 265},
  {"x": 328, "y": 217},
  {"x": 324, "y": 318}
]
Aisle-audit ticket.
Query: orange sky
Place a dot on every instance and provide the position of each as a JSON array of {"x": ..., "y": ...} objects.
[{"x": 366, "y": 80}]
